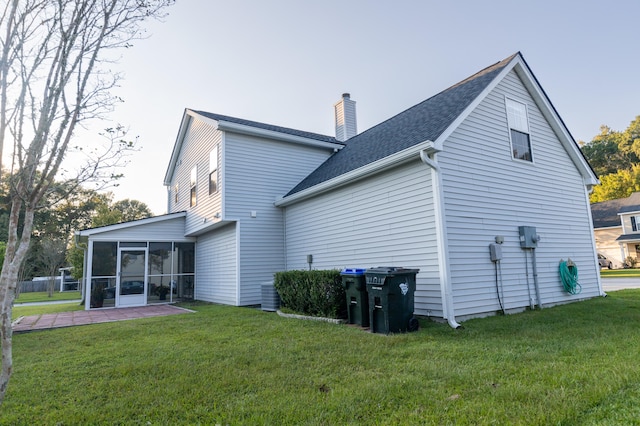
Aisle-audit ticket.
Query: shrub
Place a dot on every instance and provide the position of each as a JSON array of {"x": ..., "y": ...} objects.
[
  {"x": 316, "y": 292},
  {"x": 630, "y": 262}
]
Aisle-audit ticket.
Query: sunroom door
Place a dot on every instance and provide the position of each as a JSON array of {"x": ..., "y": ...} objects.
[{"x": 132, "y": 279}]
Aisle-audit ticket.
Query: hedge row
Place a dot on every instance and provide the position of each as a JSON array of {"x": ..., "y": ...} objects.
[{"x": 315, "y": 293}]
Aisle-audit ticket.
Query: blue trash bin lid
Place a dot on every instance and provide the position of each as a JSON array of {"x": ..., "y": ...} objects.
[{"x": 353, "y": 271}]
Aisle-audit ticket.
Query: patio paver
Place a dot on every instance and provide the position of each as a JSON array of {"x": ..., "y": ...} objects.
[{"x": 74, "y": 318}]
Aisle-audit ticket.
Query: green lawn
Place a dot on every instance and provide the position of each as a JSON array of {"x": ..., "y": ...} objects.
[
  {"x": 568, "y": 365},
  {"x": 23, "y": 311},
  {"x": 619, "y": 273},
  {"x": 42, "y": 296}
]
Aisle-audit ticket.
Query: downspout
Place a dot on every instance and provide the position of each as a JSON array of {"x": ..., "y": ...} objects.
[
  {"x": 428, "y": 156},
  {"x": 587, "y": 191}
]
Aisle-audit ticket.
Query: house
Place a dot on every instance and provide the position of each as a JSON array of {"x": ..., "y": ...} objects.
[
  {"x": 481, "y": 187},
  {"x": 616, "y": 226}
]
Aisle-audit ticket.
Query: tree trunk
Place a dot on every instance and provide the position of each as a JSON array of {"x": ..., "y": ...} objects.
[
  {"x": 6, "y": 334},
  {"x": 14, "y": 256}
]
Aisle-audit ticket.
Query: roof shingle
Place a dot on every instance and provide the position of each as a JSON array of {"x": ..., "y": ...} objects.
[
  {"x": 605, "y": 213},
  {"x": 422, "y": 122}
]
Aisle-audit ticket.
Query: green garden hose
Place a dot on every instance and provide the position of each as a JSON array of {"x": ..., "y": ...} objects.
[{"x": 569, "y": 276}]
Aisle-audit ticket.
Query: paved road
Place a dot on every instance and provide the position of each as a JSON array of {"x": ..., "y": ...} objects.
[{"x": 612, "y": 284}]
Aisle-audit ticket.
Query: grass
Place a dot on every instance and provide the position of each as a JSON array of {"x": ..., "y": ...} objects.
[
  {"x": 42, "y": 296},
  {"x": 568, "y": 365},
  {"x": 620, "y": 273},
  {"x": 23, "y": 311}
]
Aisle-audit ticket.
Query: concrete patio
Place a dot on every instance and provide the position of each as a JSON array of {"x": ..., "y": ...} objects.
[{"x": 95, "y": 316}]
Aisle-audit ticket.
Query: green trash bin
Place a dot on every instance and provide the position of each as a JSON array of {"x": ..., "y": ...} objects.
[
  {"x": 391, "y": 299},
  {"x": 353, "y": 281}
]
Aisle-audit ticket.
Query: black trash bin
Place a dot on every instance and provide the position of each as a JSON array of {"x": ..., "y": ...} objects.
[
  {"x": 353, "y": 281},
  {"x": 391, "y": 299}
]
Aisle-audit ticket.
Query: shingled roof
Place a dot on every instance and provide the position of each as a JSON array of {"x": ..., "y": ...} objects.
[
  {"x": 422, "y": 122},
  {"x": 286, "y": 130},
  {"x": 606, "y": 213}
]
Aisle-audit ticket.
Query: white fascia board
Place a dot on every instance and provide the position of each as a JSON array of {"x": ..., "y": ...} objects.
[
  {"x": 124, "y": 225},
  {"x": 439, "y": 143},
  {"x": 385, "y": 163},
  {"x": 523, "y": 71},
  {"x": 630, "y": 213},
  {"x": 271, "y": 134},
  {"x": 208, "y": 227},
  {"x": 556, "y": 123},
  {"x": 608, "y": 227},
  {"x": 177, "y": 146}
]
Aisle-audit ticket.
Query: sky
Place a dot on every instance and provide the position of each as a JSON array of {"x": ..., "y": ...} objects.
[{"x": 287, "y": 62}]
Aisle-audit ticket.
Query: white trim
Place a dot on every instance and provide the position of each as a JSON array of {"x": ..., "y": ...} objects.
[
  {"x": 124, "y": 225},
  {"x": 541, "y": 100},
  {"x": 238, "y": 275},
  {"x": 428, "y": 156},
  {"x": 556, "y": 123},
  {"x": 524, "y": 129},
  {"x": 439, "y": 143},
  {"x": 593, "y": 241},
  {"x": 182, "y": 130},
  {"x": 630, "y": 213},
  {"x": 272, "y": 134},
  {"x": 607, "y": 227},
  {"x": 222, "y": 176},
  {"x": 367, "y": 170},
  {"x": 88, "y": 272}
]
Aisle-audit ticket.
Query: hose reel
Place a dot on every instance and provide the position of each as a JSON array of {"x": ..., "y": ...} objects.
[{"x": 569, "y": 277}]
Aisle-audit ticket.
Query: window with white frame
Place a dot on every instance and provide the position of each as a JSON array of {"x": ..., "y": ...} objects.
[
  {"x": 635, "y": 223},
  {"x": 193, "y": 186},
  {"x": 213, "y": 170},
  {"x": 519, "y": 130}
]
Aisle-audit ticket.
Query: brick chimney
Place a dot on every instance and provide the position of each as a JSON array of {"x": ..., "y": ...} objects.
[{"x": 346, "y": 126}]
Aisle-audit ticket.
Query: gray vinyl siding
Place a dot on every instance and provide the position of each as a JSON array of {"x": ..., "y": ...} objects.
[
  {"x": 216, "y": 256},
  {"x": 199, "y": 139},
  {"x": 385, "y": 220},
  {"x": 167, "y": 230},
  {"x": 258, "y": 171},
  {"x": 487, "y": 193}
]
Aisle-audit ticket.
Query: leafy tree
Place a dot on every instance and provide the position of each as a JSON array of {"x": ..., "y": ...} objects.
[
  {"x": 610, "y": 151},
  {"x": 615, "y": 156},
  {"x": 617, "y": 185},
  {"x": 109, "y": 213},
  {"x": 54, "y": 76}
]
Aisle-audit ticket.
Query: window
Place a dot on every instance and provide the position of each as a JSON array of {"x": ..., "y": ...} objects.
[
  {"x": 519, "y": 130},
  {"x": 635, "y": 223},
  {"x": 176, "y": 189},
  {"x": 213, "y": 171},
  {"x": 193, "y": 186}
]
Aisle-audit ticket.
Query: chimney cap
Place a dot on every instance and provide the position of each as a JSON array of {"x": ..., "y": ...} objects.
[{"x": 346, "y": 95}]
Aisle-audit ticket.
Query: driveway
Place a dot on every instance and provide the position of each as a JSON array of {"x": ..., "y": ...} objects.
[{"x": 613, "y": 284}]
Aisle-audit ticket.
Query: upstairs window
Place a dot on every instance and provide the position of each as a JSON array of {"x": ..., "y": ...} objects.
[
  {"x": 193, "y": 186},
  {"x": 635, "y": 223},
  {"x": 519, "y": 130},
  {"x": 213, "y": 171}
]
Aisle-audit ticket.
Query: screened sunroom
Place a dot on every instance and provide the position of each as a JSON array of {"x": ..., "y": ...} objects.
[{"x": 138, "y": 263}]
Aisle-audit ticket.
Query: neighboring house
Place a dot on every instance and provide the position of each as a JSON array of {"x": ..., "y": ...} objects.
[
  {"x": 616, "y": 225},
  {"x": 430, "y": 188}
]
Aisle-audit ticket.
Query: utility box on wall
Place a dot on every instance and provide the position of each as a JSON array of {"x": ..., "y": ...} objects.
[{"x": 528, "y": 236}]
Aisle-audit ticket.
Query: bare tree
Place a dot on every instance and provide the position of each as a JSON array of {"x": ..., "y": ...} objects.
[
  {"x": 50, "y": 255},
  {"x": 54, "y": 77}
]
